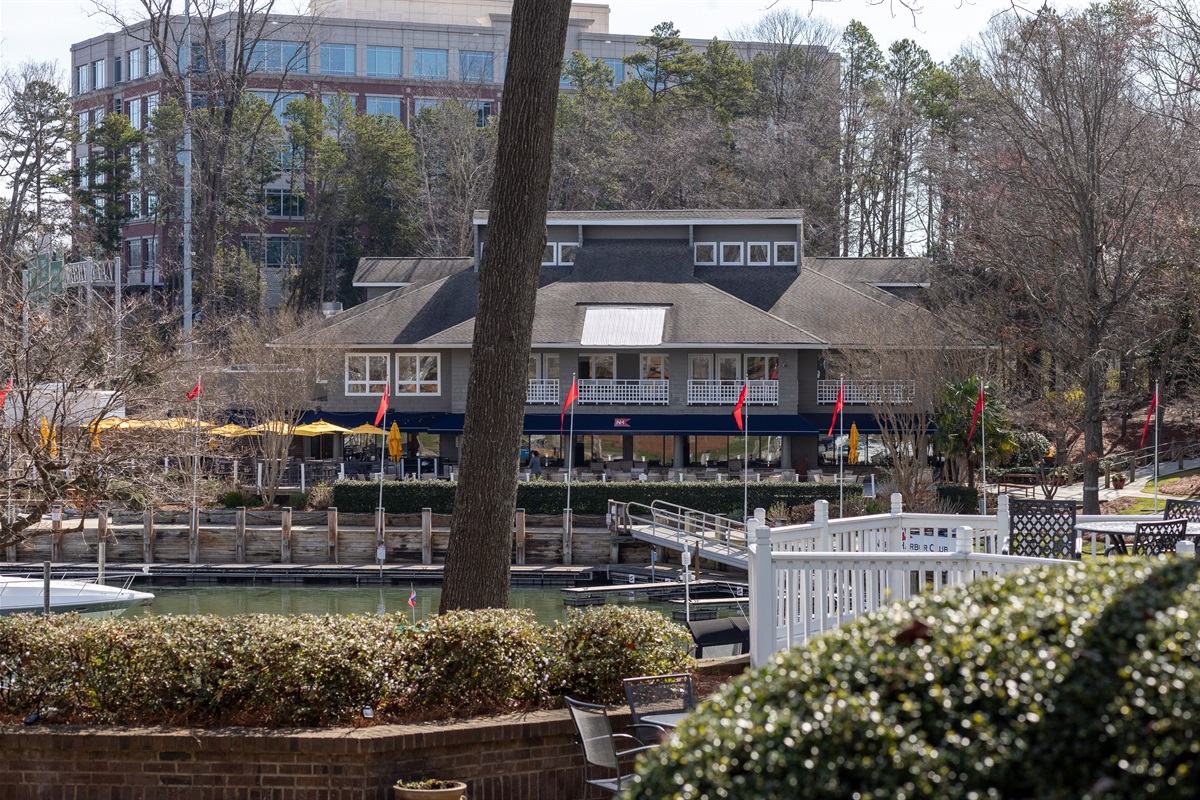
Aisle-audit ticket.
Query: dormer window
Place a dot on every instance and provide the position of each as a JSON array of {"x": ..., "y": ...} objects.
[
  {"x": 785, "y": 254},
  {"x": 732, "y": 254},
  {"x": 760, "y": 254},
  {"x": 706, "y": 253},
  {"x": 559, "y": 254}
]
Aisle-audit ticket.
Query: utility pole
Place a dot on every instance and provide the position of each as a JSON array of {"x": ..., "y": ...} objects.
[{"x": 187, "y": 176}]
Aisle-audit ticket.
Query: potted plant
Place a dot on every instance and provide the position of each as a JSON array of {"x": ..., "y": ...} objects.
[
  {"x": 429, "y": 789},
  {"x": 1118, "y": 480}
]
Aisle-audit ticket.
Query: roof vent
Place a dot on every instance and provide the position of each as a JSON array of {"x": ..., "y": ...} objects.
[{"x": 329, "y": 309}]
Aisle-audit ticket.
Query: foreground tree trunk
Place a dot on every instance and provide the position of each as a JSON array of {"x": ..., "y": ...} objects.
[{"x": 477, "y": 563}]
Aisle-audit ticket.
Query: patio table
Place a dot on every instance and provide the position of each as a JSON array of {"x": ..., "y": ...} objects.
[
  {"x": 666, "y": 720},
  {"x": 1115, "y": 530}
]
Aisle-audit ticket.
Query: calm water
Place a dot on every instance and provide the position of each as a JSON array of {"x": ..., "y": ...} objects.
[{"x": 228, "y": 600}]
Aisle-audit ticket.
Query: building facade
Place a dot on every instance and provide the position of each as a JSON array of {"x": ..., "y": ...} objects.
[
  {"x": 661, "y": 316},
  {"x": 393, "y": 57}
]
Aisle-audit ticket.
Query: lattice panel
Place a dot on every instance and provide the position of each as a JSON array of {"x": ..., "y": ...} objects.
[{"x": 1041, "y": 528}]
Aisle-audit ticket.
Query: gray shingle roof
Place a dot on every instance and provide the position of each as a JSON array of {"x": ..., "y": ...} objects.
[
  {"x": 707, "y": 215},
  {"x": 873, "y": 271},
  {"x": 397, "y": 271}
]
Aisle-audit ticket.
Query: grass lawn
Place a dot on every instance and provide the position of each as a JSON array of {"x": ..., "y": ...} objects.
[
  {"x": 1165, "y": 487},
  {"x": 1145, "y": 505}
]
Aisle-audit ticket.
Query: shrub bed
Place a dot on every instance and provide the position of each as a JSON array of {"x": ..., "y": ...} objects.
[
  {"x": 321, "y": 670},
  {"x": 545, "y": 497},
  {"x": 1059, "y": 682}
]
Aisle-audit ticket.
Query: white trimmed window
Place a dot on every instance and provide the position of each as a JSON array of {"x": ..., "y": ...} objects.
[
  {"x": 598, "y": 366},
  {"x": 785, "y": 253},
  {"x": 133, "y": 110},
  {"x": 762, "y": 367},
  {"x": 654, "y": 367},
  {"x": 418, "y": 373},
  {"x": 729, "y": 367},
  {"x": 732, "y": 254},
  {"x": 566, "y": 253},
  {"x": 548, "y": 255},
  {"x": 760, "y": 254},
  {"x": 705, "y": 253},
  {"x": 133, "y": 64},
  {"x": 366, "y": 373}
]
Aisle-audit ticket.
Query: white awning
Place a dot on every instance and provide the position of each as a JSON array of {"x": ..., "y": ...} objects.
[{"x": 623, "y": 326}]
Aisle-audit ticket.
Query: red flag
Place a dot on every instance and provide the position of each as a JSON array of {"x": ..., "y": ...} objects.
[
  {"x": 737, "y": 410},
  {"x": 1149, "y": 414},
  {"x": 978, "y": 410},
  {"x": 195, "y": 392},
  {"x": 4, "y": 392},
  {"x": 837, "y": 409},
  {"x": 383, "y": 404},
  {"x": 572, "y": 396}
]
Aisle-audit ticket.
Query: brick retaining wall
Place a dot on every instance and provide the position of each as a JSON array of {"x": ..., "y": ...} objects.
[{"x": 516, "y": 757}]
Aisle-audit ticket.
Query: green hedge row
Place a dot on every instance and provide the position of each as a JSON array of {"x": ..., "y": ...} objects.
[
  {"x": 958, "y": 499},
  {"x": 545, "y": 497},
  {"x": 309, "y": 670},
  {"x": 1059, "y": 682}
]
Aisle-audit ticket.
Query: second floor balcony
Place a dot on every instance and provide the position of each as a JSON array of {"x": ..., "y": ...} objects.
[
  {"x": 542, "y": 391},
  {"x": 725, "y": 393},
  {"x": 861, "y": 393},
  {"x": 599, "y": 391}
]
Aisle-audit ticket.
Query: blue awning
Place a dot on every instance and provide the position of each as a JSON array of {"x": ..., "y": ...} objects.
[
  {"x": 722, "y": 424},
  {"x": 407, "y": 422},
  {"x": 866, "y": 423}
]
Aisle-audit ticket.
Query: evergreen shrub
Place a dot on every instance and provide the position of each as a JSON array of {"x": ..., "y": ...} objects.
[
  {"x": 546, "y": 497},
  {"x": 958, "y": 499},
  {"x": 1074, "y": 681}
]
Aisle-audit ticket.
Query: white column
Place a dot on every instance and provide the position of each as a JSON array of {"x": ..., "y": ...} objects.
[{"x": 762, "y": 597}]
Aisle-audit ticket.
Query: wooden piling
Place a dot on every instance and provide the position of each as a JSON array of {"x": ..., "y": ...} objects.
[
  {"x": 285, "y": 543},
  {"x": 148, "y": 535},
  {"x": 56, "y": 533},
  {"x": 239, "y": 543},
  {"x": 566, "y": 541},
  {"x": 520, "y": 536},
  {"x": 194, "y": 536},
  {"x": 426, "y": 535},
  {"x": 332, "y": 519}
]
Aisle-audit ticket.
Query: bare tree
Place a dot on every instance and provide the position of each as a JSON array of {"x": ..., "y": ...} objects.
[
  {"x": 1078, "y": 191},
  {"x": 478, "y": 559}
]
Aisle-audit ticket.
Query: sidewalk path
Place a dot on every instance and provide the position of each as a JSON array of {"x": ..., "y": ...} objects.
[{"x": 1144, "y": 478}]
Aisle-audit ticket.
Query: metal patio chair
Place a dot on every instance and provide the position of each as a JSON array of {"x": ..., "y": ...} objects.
[
  {"x": 1042, "y": 529},
  {"x": 1183, "y": 509},
  {"x": 599, "y": 743},
  {"x": 657, "y": 694},
  {"x": 1158, "y": 538}
]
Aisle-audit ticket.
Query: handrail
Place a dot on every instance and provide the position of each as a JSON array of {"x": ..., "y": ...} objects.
[{"x": 689, "y": 522}]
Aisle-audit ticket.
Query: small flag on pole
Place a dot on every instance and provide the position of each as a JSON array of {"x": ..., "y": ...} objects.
[
  {"x": 4, "y": 392},
  {"x": 978, "y": 411},
  {"x": 737, "y": 410},
  {"x": 837, "y": 409},
  {"x": 572, "y": 396},
  {"x": 383, "y": 406},
  {"x": 412, "y": 598},
  {"x": 1149, "y": 416},
  {"x": 195, "y": 392}
]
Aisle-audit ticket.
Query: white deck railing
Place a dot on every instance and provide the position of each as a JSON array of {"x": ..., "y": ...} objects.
[
  {"x": 808, "y": 579},
  {"x": 541, "y": 391},
  {"x": 860, "y": 393},
  {"x": 725, "y": 393},
  {"x": 595, "y": 391}
]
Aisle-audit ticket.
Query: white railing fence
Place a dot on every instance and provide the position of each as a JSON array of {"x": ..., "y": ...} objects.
[
  {"x": 808, "y": 579},
  {"x": 858, "y": 393},
  {"x": 725, "y": 393},
  {"x": 624, "y": 392},
  {"x": 542, "y": 390}
]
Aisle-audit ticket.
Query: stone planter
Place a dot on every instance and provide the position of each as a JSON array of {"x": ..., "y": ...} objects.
[{"x": 447, "y": 790}]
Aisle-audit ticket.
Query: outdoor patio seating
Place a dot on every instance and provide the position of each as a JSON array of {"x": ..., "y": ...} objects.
[
  {"x": 657, "y": 694},
  {"x": 599, "y": 743},
  {"x": 1154, "y": 538},
  {"x": 1183, "y": 509},
  {"x": 1041, "y": 529}
]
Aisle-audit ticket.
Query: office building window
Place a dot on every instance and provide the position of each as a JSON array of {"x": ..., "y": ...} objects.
[
  {"x": 366, "y": 374},
  {"x": 426, "y": 103},
  {"x": 151, "y": 247},
  {"x": 97, "y": 117},
  {"x": 274, "y": 252},
  {"x": 475, "y": 66},
  {"x": 83, "y": 123},
  {"x": 283, "y": 203},
  {"x": 84, "y": 173},
  {"x": 153, "y": 61},
  {"x": 482, "y": 109},
  {"x": 133, "y": 64},
  {"x": 418, "y": 374},
  {"x": 618, "y": 68},
  {"x": 337, "y": 59},
  {"x": 151, "y": 204},
  {"x": 133, "y": 253},
  {"x": 83, "y": 76},
  {"x": 430, "y": 65},
  {"x": 117, "y": 70},
  {"x": 133, "y": 109},
  {"x": 278, "y": 101},
  {"x": 135, "y": 204},
  {"x": 384, "y": 62},
  {"x": 98, "y": 81},
  {"x": 279, "y": 57},
  {"x": 382, "y": 105}
]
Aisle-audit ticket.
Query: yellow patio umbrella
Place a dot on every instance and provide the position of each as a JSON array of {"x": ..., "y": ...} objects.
[
  {"x": 231, "y": 430},
  {"x": 368, "y": 429},
  {"x": 108, "y": 422},
  {"x": 395, "y": 449},
  {"x": 319, "y": 428},
  {"x": 176, "y": 424},
  {"x": 44, "y": 430},
  {"x": 852, "y": 451},
  {"x": 274, "y": 426}
]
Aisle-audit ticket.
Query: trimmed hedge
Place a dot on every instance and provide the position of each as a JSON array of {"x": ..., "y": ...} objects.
[
  {"x": 322, "y": 670},
  {"x": 1080, "y": 681},
  {"x": 545, "y": 497},
  {"x": 959, "y": 499}
]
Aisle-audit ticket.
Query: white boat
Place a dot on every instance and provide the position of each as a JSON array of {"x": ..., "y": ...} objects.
[{"x": 83, "y": 597}]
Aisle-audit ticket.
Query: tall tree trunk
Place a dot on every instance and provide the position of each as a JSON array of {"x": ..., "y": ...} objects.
[{"x": 478, "y": 559}]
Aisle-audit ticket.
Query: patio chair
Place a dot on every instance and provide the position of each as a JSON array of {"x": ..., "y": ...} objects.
[
  {"x": 1156, "y": 538},
  {"x": 1042, "y": 529},
  {"x": 657, "y": 694},
  {"x": 599, "y": 743},
  {"x": 1183, "y": 509}
]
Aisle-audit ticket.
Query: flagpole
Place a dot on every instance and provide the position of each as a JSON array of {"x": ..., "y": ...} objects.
[
  {"x": 983, "y": 444},
  {"x": 746, "y": 459},
  {"x": 1156, "y": 447},
  {"x": 838, "y": 447},
  {"x": 382, "y": 456},
  {"x": 570, "y": 452},
  {"x": 196, "y": 457}
]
